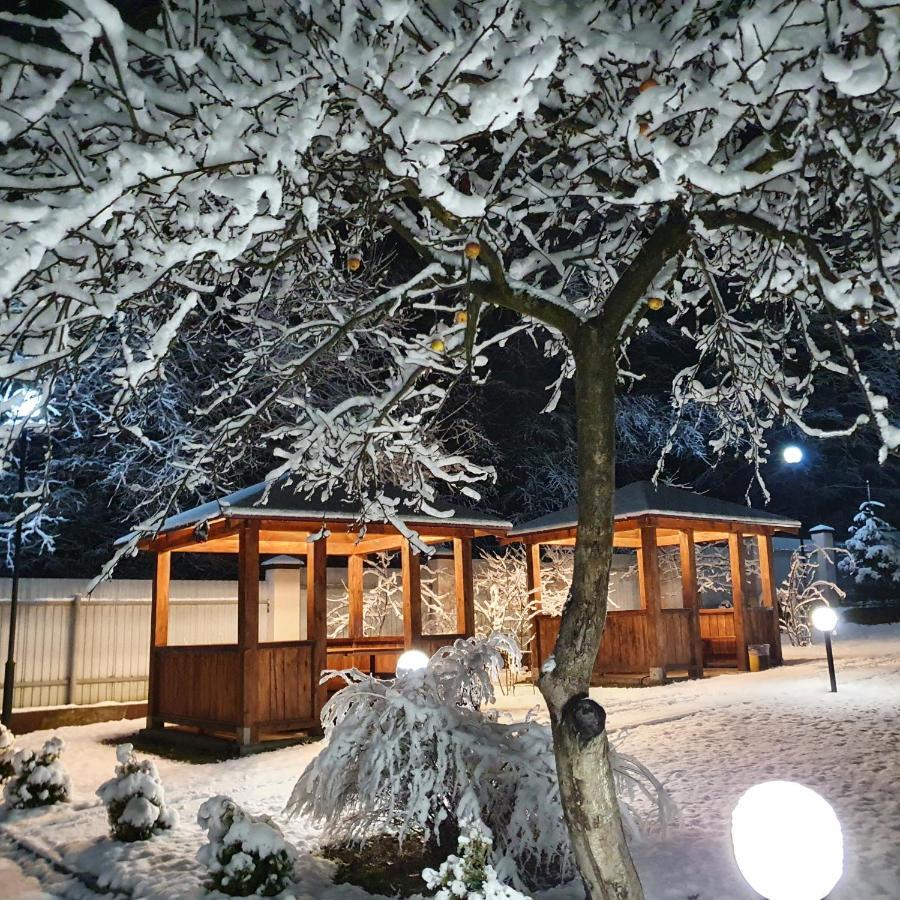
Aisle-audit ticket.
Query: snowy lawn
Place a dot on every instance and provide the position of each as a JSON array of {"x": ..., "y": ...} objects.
[{"x": 707, "y": 741}]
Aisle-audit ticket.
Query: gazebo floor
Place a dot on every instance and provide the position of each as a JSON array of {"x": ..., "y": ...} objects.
[
  {"x": 643, "y": 679},
  {"x": 220, "y": 746}
]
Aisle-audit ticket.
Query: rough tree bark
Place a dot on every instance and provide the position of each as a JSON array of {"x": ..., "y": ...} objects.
[{"x": 581, "y": 746}]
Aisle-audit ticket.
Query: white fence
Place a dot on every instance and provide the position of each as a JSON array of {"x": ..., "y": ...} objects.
[{"x": 81, "y": 650}]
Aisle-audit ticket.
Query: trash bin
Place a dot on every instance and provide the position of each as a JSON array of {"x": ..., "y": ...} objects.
[{"x": 759, "y": 657}]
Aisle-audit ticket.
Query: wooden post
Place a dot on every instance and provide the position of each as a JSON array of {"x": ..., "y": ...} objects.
[
  {"x": 412, "y": 595},
  {"x": 355, "y": 572},
  {"x": 464, "y": 586},
  {"x": 738, "y": 596},
  {"x": 159, "y": 633},
  {"x": 688, "y": 557},
  {"x": 769, "y": 595},
  {"x": 317, "y": 617},
  {"x": 248, "y": 631},
  {"x": 533, "y": 587},
  {"x": 648, "y": 580}
]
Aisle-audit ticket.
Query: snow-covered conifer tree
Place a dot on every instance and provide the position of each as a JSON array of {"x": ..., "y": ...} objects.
[
  {"x": 39, "y": 778},
  {"x": 246, "y": 855},
  {"x": 278, "y": 185},
  {"x": 467, "y": 874},
  {"x": 135, "y": 799},
  {"x": 873, "y": 547},
  {"x": 7, "y": 751}
]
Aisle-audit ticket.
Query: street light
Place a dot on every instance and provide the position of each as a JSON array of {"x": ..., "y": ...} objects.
[
  {"x": 24, "y": 406},
  {"x": 792, "y": 454},
  {"x": 411, "y": 661},
  {"x": 825, "y": 619},
  {"x": 787, "y": 841}
]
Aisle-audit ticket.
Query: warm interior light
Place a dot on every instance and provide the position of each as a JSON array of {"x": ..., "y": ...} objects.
[
  {"x": 787, "y": 842},
  {"x": 410, "y": 661},
  {"x": 792, "y": 454},
  {"x": 824, "y": 618}
]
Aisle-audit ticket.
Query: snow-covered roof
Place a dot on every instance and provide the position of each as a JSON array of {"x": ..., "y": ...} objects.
[
  {"x": 283, "y": 502},
  {"x": 643, "y": 498}
]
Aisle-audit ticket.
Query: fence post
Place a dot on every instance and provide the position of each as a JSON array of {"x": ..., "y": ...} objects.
[{"x": 74, "y": 648}]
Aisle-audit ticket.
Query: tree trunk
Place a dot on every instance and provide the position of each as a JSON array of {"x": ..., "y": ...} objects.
[{"x": 580, "y": 743}]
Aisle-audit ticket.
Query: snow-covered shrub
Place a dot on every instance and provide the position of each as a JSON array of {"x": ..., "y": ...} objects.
[
  {"x": 874, "y": 553},
  {"x": 7, "y": 750},
  {"x": 38, "y": 779},
  {"x": 246, "y": 855},
  {"x": 469, "y": 875},
  {"x": 799, "y": 593},
  {"x": 135, "y": 799},
  {"x": 418, "y": 755}
]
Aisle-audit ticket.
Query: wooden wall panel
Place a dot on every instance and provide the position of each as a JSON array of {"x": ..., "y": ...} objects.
[
  {"x": 625, "y": 648},
  {"x": 285, "y": 683},
  {"x": 678, "y": 630},
  {"x": 199, "y": 685}
]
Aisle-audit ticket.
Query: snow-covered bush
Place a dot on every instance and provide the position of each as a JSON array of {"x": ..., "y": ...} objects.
[
  {"x": 799, "y": 593},
  {"x": 469, "y": 875},
  {"x": 418, "y": 755},
  {"x": 38, "y": 779},
  {"x": 7, "y": 750},
  {"x": 135, "y": 799},
  {"x": 246, "y": 855},
  {"x": 874, "y": 554}
]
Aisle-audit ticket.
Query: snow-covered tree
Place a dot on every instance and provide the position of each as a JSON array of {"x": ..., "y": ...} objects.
[
  {"x": 441, "y": 758},
  {"x": 799, "y": 593},
  {"x": 467, "y": 874},
  {"x": 279, "y": 185},
  {"x": 135, "y": 799},
  {"x": 874, "y": 550},
  {"x": 246, "y": 855},
  {"x": 502, "y": 602},
  {"x": 7, "y": 751},
  {"x": 39, "y": 778}
]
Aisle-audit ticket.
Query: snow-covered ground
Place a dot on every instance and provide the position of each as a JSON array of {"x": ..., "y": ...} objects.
[{"x": 707, "y": 741}]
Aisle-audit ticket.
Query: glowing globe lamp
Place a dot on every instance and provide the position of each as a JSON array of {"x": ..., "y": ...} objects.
[
  {"x": 824, "y": 618},
  {"x": 792, "y": 454},
  {"x": 787, "y": 841},
  {"x": 411, "y": 661}
]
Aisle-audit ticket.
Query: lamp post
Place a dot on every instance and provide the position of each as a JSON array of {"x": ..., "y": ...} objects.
[
  {"x": 824, "y": 618},
  {"x": 787, "y": 841},
  {"x": 24, "y": 409}
]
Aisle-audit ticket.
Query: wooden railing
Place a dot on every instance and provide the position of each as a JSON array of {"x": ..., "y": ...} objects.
[
  {"x": 624, "y": 649},
  {"x": 285, "y": 684},
  {"x": 378, "y": 654},
  {"x": 197, "y": 685},
  {"x": 202, "y": 686},
  {"x": 678, "y": 625}
]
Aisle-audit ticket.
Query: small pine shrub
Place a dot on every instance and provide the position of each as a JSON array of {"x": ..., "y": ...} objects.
[
  {"x": 135, "y": 799},
  {"x": 7, "y": 750},
  {"x": 246, "y": 855},
  {"x": 38, "y": 779},
  {"x": 469, "y": 876}
]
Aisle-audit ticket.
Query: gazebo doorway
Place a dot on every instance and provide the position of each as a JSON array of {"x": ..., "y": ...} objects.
[{"x": 254, "y": 691}]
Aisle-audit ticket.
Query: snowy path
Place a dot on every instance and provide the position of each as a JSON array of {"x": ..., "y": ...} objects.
[{"x": 708, "y": 741}]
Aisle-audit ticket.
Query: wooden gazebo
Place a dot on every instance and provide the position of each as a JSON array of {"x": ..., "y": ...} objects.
[
  {"x": 652, "y": 640},
  {"x": 253, "y": 691}
]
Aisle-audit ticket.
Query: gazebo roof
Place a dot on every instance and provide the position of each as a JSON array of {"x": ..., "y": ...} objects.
[
  {"x": 283, "y": 502},
  {"x": 643, "y": 498}
]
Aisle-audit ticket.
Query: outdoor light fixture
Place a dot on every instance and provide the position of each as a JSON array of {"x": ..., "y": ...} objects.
[
  {"x": 824, "y": 618},
  {"x": 787, "y": 841},
  {"x": 792, "y": 454},
  {"x": 411, "y": 661}
]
